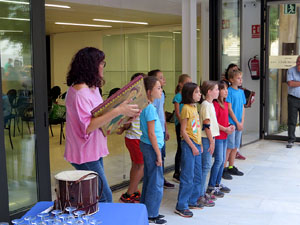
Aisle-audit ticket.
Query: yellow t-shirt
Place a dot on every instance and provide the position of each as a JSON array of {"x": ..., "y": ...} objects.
[
  {"x": 193, "y": 128},
  {"x": 207, "y": 111}
]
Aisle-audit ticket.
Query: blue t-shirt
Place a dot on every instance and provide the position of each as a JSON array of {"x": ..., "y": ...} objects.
[
  {"x": 293, "y": 75},
  {"x": 149, "y": 114},
  {"x": 178, "y": 98},
  {"x": 159, "y": 105},
  {"x": 238, "y": 100}
]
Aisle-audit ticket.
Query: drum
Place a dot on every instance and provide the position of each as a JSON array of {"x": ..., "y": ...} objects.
[{"x": 79, "y": 189}]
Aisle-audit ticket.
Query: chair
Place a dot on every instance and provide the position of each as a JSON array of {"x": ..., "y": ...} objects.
[
  {"x": 12, "y": 97},
  {"x": 7, "y": 125},
  {"x": 57, "y": 122}
]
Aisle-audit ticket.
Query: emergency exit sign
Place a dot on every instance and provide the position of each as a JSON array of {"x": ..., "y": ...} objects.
[{"x": 289, "y": 8}]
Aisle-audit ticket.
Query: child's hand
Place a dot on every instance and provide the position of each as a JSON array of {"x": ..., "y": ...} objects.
[
  {"x": 120, "y": 130},
  {"x": 230, "y": 129},
  {"x": 158, "y": 160},
  {"x": 195, "y": 151},
  {"x": 211, "y": 148},
  {"x": 240, "y": 126},
  {"x": 167, "y": 137}
]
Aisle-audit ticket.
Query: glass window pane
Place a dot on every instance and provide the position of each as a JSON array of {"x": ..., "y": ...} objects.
[
  {"x": 230, "y": 33},
  {"x": 17, "y": 97}
]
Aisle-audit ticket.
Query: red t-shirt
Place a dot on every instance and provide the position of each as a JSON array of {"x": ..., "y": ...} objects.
[{"x": 222, "y": 117}]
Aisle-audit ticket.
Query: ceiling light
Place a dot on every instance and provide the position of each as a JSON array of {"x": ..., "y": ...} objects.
[
  {"x": 10, "y": 18},
  {"x": 58, "y": 6},
  {"x": 11, "y": 31},
  {"x": 15, "y": 2},
  {"x": 81, "y": 24},
  {"x": 120, "y": 21}
]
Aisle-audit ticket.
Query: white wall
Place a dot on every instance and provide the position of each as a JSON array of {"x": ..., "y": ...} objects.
[
  {"x": 249, "y": 48},
  {"x": 63, "y": 48}
]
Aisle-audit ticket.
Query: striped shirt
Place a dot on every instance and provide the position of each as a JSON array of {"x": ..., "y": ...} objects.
[{"x": 134, "y": 131}]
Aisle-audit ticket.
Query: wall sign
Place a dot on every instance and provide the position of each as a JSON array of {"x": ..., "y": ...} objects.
[
  {"x": 282, "y": 61},
  {"x": 290, "y": 9},
  {"x": 255, "y": 31}
]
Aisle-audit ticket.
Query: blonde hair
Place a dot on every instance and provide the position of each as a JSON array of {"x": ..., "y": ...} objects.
[
  {"x": 181, "y": 80},
  {"x": 232, "y": 74}
]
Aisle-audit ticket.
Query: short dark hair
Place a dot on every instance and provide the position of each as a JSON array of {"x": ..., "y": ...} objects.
[
  {"x": 187, "y": 93},
  {"x": 112, "y": 91},
  {"x": 84, "y": 67},
  {"x": 153, "y": 72},
  {"x": 231, "y": 65},
  {"x": 150, "y": 83},
  {"x": 137, "y": 74}
]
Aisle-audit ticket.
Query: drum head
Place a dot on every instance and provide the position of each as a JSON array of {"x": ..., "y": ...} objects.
[{"x": 74, "y": 175}]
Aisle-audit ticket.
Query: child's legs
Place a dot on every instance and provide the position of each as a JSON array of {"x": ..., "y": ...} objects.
[
  {"x": 197, "y": 182},
  {"x": 137, "y": 166},
  {"x": 228, "y": 151},
  {"x": 224, "y": 152},
  {"x": 206, "y": 163},
  {"x": 234, "y": 143},
  {"x": 186, "y": 176},
  {"x": 136, "y": 174},
  {"x": 218, "y": 163},
  {"x": 178, "y": 152},
  {"x": 153, "y": 192}
]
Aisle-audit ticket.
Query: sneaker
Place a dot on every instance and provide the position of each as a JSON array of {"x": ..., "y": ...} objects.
[
  {"x": 168, "y": 185},
  {"x": 215, "y": 191},
  {"x": 290, "y": 144},
  {"x": 136, "y": 196},
  {"x": 210, "y": 197},
  {"x": 157, "y": 220},
  {"x": 235, "y": 171},
  {"x": 206, "y": 202},
  {"x": 126, "y": 198},
  {"x": 196, "y": 206},
  {"x": 176, "y": 178},
  {"x": 184, "y": 213},
  {"x": 240, "y": 156},
  {"x": 223, "y": 188},
  {"x": 226, "y": 175}
]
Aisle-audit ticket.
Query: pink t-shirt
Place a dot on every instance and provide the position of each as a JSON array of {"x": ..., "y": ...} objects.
[{"x": 80, "y": 146}]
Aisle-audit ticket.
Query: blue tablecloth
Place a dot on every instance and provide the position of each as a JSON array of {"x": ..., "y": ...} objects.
[{"x": 109, "y": 213}]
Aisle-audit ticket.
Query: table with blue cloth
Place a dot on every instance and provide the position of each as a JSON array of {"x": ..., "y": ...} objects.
[{"x": 109, "y": 213}]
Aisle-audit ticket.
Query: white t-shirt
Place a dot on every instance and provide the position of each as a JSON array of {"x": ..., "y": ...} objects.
[{"x": 207, "y": 111}]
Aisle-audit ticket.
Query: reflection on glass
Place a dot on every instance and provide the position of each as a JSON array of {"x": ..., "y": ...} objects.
[
  {"x": 230, "y": 33},
  {"x": 17, "y": 92},
  {"x": 283, "y": 42}
]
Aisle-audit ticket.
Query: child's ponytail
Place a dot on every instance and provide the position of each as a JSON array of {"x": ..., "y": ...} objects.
[{"x": 181, "y": 80}]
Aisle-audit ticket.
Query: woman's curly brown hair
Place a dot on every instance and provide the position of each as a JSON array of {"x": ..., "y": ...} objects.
[{"x": 84, "y": 67}]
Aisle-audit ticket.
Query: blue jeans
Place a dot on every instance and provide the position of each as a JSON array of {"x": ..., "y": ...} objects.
[
  {"x": 218, "y": 166},
  {"x": 97, "y": 166},
  {"x": 153, "y": 181},
  {"x": 190, "y": 177},
  {"x": 234, "y": 139},
  {"x": 206, "y": 163}
]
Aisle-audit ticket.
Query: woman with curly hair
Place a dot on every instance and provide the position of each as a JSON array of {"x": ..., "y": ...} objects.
[{"x": 85, "y": 143}]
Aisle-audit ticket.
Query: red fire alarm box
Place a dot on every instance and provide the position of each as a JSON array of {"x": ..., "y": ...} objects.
[{"x": 255, "y": 31}]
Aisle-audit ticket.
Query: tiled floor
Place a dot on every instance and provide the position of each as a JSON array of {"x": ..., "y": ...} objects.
[{"x": 268, "y": 193}]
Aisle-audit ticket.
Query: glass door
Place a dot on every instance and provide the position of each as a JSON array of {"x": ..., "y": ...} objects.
[{"x": 283, "y": 47}]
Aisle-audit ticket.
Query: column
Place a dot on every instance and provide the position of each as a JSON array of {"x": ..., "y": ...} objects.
[{"x": 189, "y": 38}]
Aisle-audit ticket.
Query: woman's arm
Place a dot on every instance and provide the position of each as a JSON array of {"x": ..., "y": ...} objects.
[
  {"x": 153, "y": 140},
  {"x": 187, "y": 138},
  {"x": 123, "y": 109}
]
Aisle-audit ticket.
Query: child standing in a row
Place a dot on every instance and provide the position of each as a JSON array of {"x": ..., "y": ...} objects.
[
  {"x": 151, "y": 143},
  {"x": 190, "y": 176},
  {"x": 210, "y": 129},
  {"x": 182, "y": 80},
  {"x": 221, "y": 107}
]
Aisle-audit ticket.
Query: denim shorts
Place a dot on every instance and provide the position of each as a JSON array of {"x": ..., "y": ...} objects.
[{"x": 234, "y": 139}]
